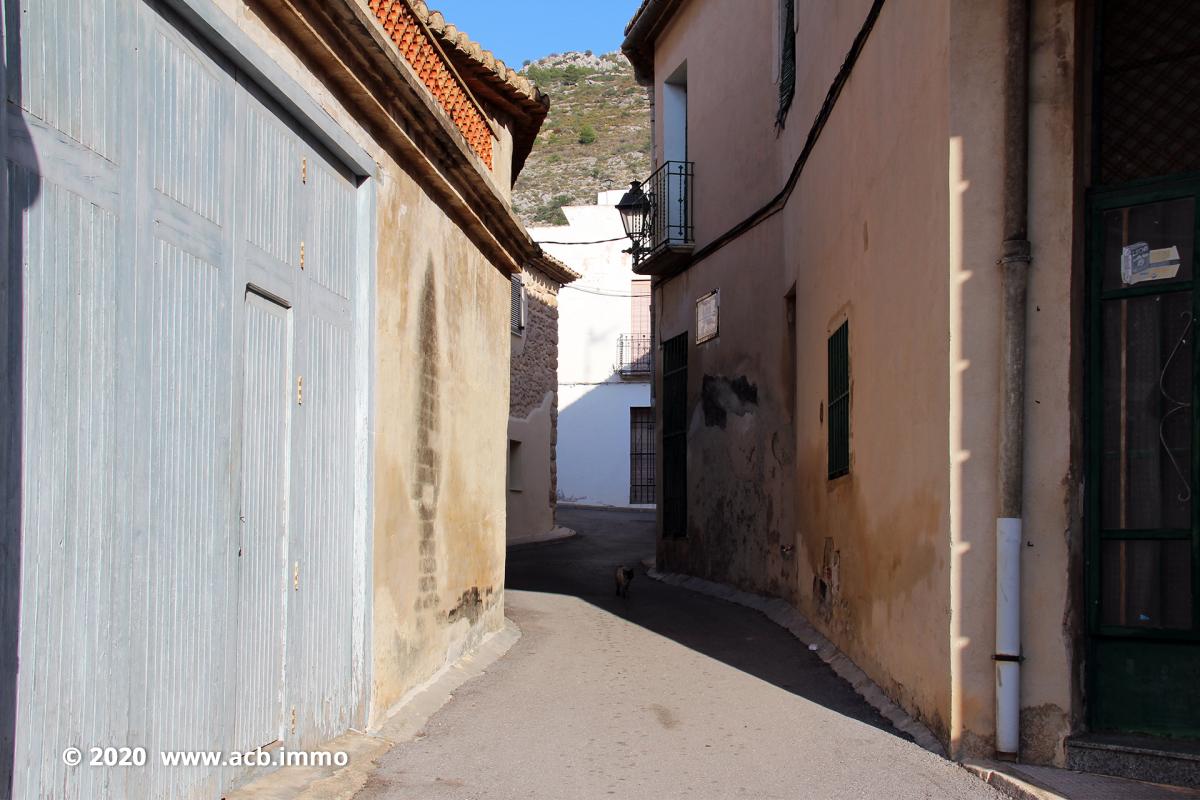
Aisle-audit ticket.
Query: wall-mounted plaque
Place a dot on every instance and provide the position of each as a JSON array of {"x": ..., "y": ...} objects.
[{"x": 708, "y": 316}]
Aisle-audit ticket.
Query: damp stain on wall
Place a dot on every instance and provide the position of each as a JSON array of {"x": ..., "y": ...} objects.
[
  {"x": 471, "y": 605},
  {"x": 427, "y": 481},
  {"x": 721, "y": 396}
]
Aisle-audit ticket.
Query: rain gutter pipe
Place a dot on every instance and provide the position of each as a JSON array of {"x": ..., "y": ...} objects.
[{"x": 1014, "y": 271}]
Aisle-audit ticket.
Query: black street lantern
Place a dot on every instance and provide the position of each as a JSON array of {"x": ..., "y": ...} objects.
[{"x": 635, "y": 212}]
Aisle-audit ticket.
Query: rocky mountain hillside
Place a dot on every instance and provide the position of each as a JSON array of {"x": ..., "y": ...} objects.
[{"x": 596, "y": 137}]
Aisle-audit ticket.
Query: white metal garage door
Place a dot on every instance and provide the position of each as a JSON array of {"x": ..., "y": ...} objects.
[{"x": 189, "y": 262}]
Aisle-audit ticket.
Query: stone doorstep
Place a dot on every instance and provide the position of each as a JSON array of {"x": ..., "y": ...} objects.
[
  {"x": 1029, "y": 782},
  {"x": 403, "y": 723},
  {"x": 1140, "y": 758}
]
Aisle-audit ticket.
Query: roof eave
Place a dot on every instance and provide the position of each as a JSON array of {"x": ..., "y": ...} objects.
[
  {"x": 648, "y": 21},
  {"x": 554, "y": 269}
]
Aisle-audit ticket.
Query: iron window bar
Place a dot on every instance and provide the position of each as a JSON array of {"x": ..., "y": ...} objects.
[{"x": 633, "y": 354}]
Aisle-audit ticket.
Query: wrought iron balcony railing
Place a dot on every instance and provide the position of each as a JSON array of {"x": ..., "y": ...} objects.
[
  {"x": 633, "y": 354},
  {"x": 668, "y": 223}
]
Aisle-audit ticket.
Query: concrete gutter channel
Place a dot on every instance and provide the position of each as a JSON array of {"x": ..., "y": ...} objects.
[
  {"x": 364, "y": 749},
  {"x": 1020, "y": 781}
]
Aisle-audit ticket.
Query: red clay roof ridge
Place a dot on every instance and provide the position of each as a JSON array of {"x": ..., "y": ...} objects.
[{"x": 509, "y": 79}]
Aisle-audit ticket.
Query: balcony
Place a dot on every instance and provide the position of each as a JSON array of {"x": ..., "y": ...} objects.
[
  {"x": 667, "y": 237},
  {"x": 633, "y": 355}
]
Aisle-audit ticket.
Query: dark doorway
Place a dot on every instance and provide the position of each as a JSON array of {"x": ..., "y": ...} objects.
[
  {"x": 675, "y": 414},
  {"x": 1143, "y": 393}
]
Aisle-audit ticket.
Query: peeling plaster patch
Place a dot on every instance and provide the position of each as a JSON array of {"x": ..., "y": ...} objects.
[
  {"x": 973, "y": 745},
  {"x": 469, "y": 606},
  {"x": 721, "y": 396},
  {"x": 1043, "y": 731},
  {"x": 827, "y": 585}
]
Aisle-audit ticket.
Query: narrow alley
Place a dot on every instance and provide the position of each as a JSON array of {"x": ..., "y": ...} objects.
[
  {"x": 450, "y": 400},
  {"x": 667, "y": 694}
]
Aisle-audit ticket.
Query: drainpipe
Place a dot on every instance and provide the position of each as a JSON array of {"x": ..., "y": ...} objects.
[{"x": 1014, "y": 267}]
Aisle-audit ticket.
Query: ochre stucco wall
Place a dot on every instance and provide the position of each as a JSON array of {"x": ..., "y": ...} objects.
[
  {"x": 866, "y": 240},
  {"x": 1052, "y": 528},
  {"x": 730, "y": 132},
  {"x": 442, "y": 385},
  {"x": 1052, "y": 593},
  {"x": 894, "y": 226}
]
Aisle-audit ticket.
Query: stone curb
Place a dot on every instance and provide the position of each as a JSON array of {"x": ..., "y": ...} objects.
[
  {"x": 552, "y": 535},
  {"x": 1006, "y": 783},
  {"x": 597, "y": 507},
  {"x": 403, "y": 723},
  {"x": 786, "y": 616}
]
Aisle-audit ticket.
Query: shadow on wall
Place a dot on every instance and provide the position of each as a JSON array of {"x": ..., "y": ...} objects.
[
  {"x": 594, "y": 443},
  {"x": 17, "y": 198}
]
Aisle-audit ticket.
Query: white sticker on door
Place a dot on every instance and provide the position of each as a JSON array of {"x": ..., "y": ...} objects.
[{"x": 1139, "y": 263}]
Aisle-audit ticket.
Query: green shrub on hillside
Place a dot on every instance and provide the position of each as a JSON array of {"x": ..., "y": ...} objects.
[{"x": 570, "y": 161}]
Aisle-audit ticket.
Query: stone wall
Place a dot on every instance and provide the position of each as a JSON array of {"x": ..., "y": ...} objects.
[
  {"x": 535, "y": 358},
  {"x": 533, "y": 411}
]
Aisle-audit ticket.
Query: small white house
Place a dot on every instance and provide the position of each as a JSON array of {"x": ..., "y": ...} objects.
[{"x": 605, "y": 423}]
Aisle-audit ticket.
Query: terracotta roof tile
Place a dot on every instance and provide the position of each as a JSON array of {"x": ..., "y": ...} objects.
[
  {"x": 450, "y": 36},
  {"x": 460, "y": 74}
]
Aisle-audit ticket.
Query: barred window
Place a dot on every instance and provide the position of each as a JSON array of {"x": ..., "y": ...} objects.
[
  {"x": 641, "y": 454},
  {"x": 839, "y": 401}
]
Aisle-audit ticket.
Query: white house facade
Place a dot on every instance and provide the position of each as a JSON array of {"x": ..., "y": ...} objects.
[{"x": 605, "y": 424}]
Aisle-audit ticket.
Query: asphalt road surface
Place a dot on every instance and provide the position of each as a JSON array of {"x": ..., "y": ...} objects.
[{"x": 666, "y": 694}]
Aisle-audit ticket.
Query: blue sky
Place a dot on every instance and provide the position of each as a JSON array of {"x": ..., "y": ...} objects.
[{"x": 517, "y": 30}]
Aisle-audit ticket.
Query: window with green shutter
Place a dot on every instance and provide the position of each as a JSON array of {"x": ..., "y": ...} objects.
[
  {"x": 787, "y": 62},
  {"x": 516, "y": 313},
  {"x": 839, "y": 401}
]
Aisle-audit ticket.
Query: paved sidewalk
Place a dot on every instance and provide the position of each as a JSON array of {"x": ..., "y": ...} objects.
[{"x": 669, "y": 694}]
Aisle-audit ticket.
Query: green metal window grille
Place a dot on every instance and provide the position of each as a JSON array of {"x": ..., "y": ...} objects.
[
  {"x": 839, "y": 401},
  {"x": 787, "y": 59},
  {"x": 675, "y": 351}
]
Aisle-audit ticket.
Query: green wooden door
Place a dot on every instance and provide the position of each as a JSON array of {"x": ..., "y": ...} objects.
[{"x": 1143, "y": 512}]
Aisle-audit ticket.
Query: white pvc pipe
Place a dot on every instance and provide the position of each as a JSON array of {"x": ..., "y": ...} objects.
[{"x": 1008, "y": 636}]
